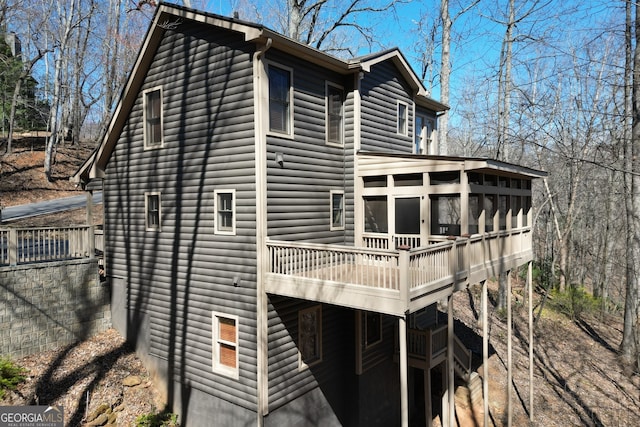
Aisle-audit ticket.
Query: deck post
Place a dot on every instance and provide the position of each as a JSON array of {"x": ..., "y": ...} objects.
[
  {"x": 530, "y": 285},
  {"x": 403, "y": 267},
  {"x": 428, "y": 410},
  {"x": 450, "y": 368},
  {"x": 404, "y": 380},
  {"x": 485, "y": 353},
  {"x": 509, "y": 352},
  {"x": 13, "y": 246}
]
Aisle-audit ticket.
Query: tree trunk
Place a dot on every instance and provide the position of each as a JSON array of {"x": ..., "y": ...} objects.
[
  {"x": 445, "y": 74},
  {"x": 629, "y": 346}
]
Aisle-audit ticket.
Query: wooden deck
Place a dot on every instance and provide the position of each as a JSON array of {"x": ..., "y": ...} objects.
[{"x": 391, "y": 282}]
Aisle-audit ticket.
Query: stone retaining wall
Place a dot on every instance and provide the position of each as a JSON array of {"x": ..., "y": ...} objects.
[{"x": 47, "y": 305}]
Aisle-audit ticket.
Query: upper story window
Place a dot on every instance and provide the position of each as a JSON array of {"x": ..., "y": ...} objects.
[
  {"x": 334, "y": 120},
  {"x": 403, "y": 113},
  {"x": 225, "y": 207},
  {"x": 152, "y": 211},
  {"x": 153, "y": 118},
  {"x": 423, "y": 130},
  {"x": 280, "y": 102},
  {"x": 337, "y": 210},
  {"x": 225, "y": 344}
]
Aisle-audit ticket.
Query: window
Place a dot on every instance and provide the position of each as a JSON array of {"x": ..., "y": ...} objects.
[
  {"x": 402, "y": 118},
  {"x": 153, "y": 118},
  {"x": 310, "y": 336},
  {"x": 225, "y": 207},
  {"x": 335, "y": 98},
  {"x": 337, "y": 210},
  {"x": 372, "y": 329},
  {"x": 280, "y": 111},
  {"x": 490, "y": 209},
  {"x": 445, "y": 215},
  {"x": 225, "y": 344},
  {"x": 423, "y": 137},
  {"x": 375, "y": 214},
  {"x": 152, "y": 211}
]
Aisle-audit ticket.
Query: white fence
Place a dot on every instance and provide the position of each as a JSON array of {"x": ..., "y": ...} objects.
[{"x": 28, "y": 245}]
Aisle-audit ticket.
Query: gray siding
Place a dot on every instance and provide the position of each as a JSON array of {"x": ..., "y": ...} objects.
[
  {"x": 334, "y": 375},
  {"x": 298, "y": 193},
  {"x": 176, "y": 277},
  {"x": 381, "y": 89}
]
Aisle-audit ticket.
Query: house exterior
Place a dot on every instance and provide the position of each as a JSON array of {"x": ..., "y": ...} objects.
[{"x": 279, "y": 227}]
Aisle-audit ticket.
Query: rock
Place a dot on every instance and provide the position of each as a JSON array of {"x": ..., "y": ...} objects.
[
  {"x": 132, "y": 381},
  {"x": 101, "y": 409},
  {"x": 101, "y": 420},
  {"x": 119, "y": 408}
]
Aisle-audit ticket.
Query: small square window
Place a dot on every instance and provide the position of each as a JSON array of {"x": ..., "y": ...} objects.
[
  {"x": 402, "y": 118},
  {"x": 337, "y": 210},
  {"x": 280, "y": 105},
  {"x": 225, "y": 344},
  {"x": 225, "y": 207},
  {"x": 310, "y": 336},
  {"x": 152, "y": 211},
  {"x": 153, "y": 118}
]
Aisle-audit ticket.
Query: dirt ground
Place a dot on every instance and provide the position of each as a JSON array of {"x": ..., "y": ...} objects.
[
  {"x": 101, "y": 372},
  {"x": 578, "y": 378},
  {"x": 22, "y": 178}
]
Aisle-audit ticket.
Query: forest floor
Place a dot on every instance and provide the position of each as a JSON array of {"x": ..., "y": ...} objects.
[{"x": 578, "y": 379}]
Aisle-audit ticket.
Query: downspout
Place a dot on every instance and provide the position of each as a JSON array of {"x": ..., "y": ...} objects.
[{"x": 261, "y": 234}]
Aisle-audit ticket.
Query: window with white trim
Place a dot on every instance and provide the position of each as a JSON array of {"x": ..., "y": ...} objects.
[
  {"x": 372, "y": 328},
  {"x": 225, "y": 211},
  {"x": 225, "y": 344},
  {"x": 334, "y": 119},
  {"x": 337, "y": 210},
  {"x": 403, "y": 112},
  {"x": 153, "y": 211},
  {"x": 309, "y": 336},
  {"x": 280, "y": 100},
  {"x": 152, "y": 111}
]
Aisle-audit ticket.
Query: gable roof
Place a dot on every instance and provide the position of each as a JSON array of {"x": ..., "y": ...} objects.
[{"x": 167, "y": 15}]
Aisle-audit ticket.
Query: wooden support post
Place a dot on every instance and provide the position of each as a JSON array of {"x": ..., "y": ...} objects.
[
  {"x": 450, "y": 368},
  {"x": 445, "y": 394},
  {"x": 13, "y": 246},
  {"x": 530, "y": 286},
  {"x": 404, "y": 387},
  {"x": 428, "y": 409},
  {"x": 428, "y": 412},
  {"x": 485, "y": 353},
  {"x": 509, "y": 352}
]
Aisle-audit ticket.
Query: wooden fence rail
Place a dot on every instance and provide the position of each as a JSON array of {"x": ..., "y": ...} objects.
[{"x": 28, "y": 245}]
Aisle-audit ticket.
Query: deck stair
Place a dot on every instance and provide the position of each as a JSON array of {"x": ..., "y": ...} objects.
[{"x": 421, "y": 343}]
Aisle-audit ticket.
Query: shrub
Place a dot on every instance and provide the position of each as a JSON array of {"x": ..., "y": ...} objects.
[
  {"x": 164, "y": 419},
  {"x": 574, "y": 302},
  {"x": 10, "y": 375}
]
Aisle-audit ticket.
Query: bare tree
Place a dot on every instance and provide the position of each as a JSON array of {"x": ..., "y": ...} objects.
[
  {"x": 445, "y": 67},
  {"x": 630, "y": 347},
  {"x": 322, "y": 23}
]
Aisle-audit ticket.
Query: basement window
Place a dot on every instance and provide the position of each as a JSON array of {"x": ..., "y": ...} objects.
[{"x": 225, "y": 344}]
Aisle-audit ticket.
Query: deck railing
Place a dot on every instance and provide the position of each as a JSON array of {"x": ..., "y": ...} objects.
[
  {"x": 410, "y": 275},
  {"x": 430, "y": 345},
  {"x": 27, "y": 245}
]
